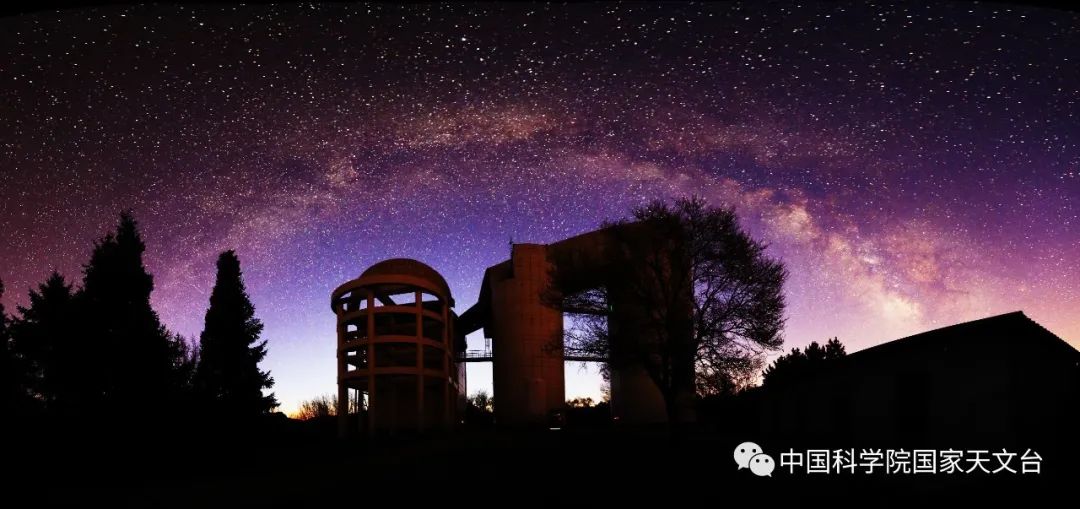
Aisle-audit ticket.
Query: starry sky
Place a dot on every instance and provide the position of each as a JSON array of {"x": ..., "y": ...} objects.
[{"x": 914, "y": 166}]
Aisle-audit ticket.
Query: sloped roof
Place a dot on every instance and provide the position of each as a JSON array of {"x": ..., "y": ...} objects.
[{"x": 1014, "y": 327}]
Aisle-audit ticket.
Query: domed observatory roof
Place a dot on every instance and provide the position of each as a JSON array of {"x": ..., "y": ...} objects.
[{"x": 408, "y": 267}]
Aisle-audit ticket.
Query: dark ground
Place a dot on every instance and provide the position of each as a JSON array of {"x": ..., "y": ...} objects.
[{"x": 303, "y": 465}]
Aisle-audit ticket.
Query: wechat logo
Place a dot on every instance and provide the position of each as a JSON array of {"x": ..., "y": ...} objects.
[{"x": 752, "y": 456}]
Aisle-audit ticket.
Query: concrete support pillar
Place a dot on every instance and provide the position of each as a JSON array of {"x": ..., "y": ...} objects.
[
  {"x": 527, "y": 337},
  {"x": 635, "y": 398}
]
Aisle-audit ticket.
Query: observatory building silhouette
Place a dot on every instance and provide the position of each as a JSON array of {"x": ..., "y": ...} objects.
[
  {"x": 401, "y": 354},
  {"x": 401, "y": 347},
  {"x": 398, "y": 348}
]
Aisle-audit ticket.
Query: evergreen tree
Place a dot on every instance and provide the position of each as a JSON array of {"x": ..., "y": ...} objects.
[
  {"x": 798, "y": 365},
  {"x": 185, "y": 358},
  {"x": 14, "y": 380},
  {"x": 9, "y": 383},
  {"x": 228, "y": 376},
  {"x": 137, "y": 355},
  {"x": 60, "y": 364},
  {"x": 834, "y": 349}
]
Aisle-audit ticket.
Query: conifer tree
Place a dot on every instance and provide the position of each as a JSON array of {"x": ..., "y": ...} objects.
[
  {"x": 60, "y": 366},
  {"x": 8, "y": 385},
  {"x": 801, "y": 364},
  {"x": 13, "y": 375},
  {"x": 228, "y": 377},
  {"x": 137, "y": 353}
]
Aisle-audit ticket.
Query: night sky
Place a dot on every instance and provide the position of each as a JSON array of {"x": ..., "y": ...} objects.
[{"x": 914, "y": 166}]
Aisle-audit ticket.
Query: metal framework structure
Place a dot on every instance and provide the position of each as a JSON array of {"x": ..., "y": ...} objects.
[{"x": 397, "y": 349}]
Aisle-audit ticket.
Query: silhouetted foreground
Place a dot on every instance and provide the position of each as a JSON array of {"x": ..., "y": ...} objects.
[
  {"x": 104, "y": 406},
  {"x": 99, "y": 354},
  {"x": 1001, "y": 385},
  {"x": 299, "y": 465},
  {"x": 997, "y": 382}
]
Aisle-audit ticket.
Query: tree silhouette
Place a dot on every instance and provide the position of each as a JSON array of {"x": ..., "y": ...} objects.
[
  {"x": 102, "y": 350},
  {"x": 733, "y": 374},
  {"x": 480, "y": 410},
  {"x": 14, "y": 375},
  {"x": 321, "y": 407},
  {"x": 184, "y": 357},
  {"x": 9, "y": 383},
  {"x": 580, "y": 403},
  {"x": 228, "y": 378},
  {"x": 62, "y": 371},
  {"x": 696, "y": 300},
  {"x": 798, "y": 364},
  {"x": 136, "y": 354},
  {"x": 482, "y": 401}
]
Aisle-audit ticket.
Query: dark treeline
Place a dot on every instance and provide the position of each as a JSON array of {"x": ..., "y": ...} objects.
[
  {"x": 786, "y": 372},
  {"x": 97, "y": 353},
  {"x": 798, "y": 365}
]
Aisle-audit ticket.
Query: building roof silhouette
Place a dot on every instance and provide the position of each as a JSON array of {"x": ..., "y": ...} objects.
[
  {"x": 1003, "y": 380},
  {"x": 407, "y": 267},
  {"x": 1014, "y": 330}
]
